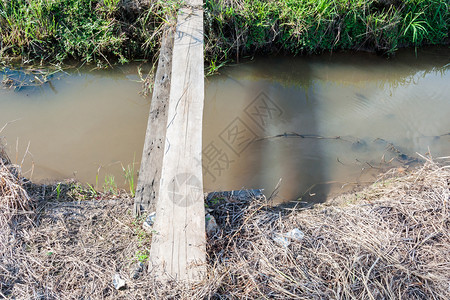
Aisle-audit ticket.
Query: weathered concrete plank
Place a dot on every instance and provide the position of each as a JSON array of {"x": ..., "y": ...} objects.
[
  {"x": 147, "y": 188},
  {"x": 178, "y": 246}
]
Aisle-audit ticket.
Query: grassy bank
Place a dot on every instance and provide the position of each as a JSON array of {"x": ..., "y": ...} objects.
[
  {"x": 109, "y": 31},
  {"x": 388, "y": 241},
  {"x": 100, "y": 32},
  {"x": 246, "y": 26}
]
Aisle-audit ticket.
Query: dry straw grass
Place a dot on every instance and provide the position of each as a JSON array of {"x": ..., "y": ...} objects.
[{"x": 390, "y": 241}]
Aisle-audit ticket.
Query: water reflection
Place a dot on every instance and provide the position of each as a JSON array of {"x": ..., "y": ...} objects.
[
  {"x": 321, "y": 124},
  {"x": 86, "y": 127},
  {"x": 341, "y": 116}
]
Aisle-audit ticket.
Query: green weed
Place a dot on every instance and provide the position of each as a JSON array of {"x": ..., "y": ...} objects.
[
  {"x": 92, "y": 191},
  {"x": 111, "y": 5},
  {"x": 142, "y": 255},
  {"x": 58, "y": 191},
  {"x": 415, "y": 26},
  {"x": 129, "y": 174},
  {"x": 143, "y": 241},
  {"x": 110, "y": 186}
]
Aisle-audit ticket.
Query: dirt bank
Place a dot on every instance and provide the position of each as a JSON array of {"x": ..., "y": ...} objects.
[{"x": 391, "y": 240}]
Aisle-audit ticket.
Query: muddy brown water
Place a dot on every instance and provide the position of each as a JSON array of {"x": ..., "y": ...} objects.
[{"x": 313, "y": 126}]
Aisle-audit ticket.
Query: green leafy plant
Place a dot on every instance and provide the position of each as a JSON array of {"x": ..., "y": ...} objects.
[
  {"x": 142, "y": 255},
  {"x": 415, "y": 26},
  {"x": 143, "y": 241}
]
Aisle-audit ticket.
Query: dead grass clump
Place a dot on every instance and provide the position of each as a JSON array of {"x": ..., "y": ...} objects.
[
  {"x": 15, "y": 215},
  {"x": 61, "y": 250},
  {"x": 390, "y": 241},
  {"x": 13, "y": 197},
  {"x": 14, "y": 200},
  {"x": 75, "y": 249}
]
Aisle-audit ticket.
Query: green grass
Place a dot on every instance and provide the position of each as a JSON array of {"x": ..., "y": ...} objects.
[
  {"x": 245, "y": 27},
  {"x": 104, "y": 32},
  {"x": 91, "y": 31},
  {"x": 143, "y": 241},
  {"x": 129, "y": 174},
  {"x": 110, "y": 186}
]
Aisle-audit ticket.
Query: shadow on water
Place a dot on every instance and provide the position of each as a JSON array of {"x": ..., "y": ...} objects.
[
  {"x": 294, "y": 93},
  {"x": 279, "y": 101},
  {"x": 331, "y": 123}
]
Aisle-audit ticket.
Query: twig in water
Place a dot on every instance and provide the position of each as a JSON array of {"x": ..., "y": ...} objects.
[{"x": 303, "y": 136}]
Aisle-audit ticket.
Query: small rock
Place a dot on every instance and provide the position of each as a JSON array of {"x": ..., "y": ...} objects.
[
  {"x": 137, "y": 270},
  {"x": 211, "y": 225},
  {"x": 118, "y": 282},
  {"x": 149, "y": 221}
]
